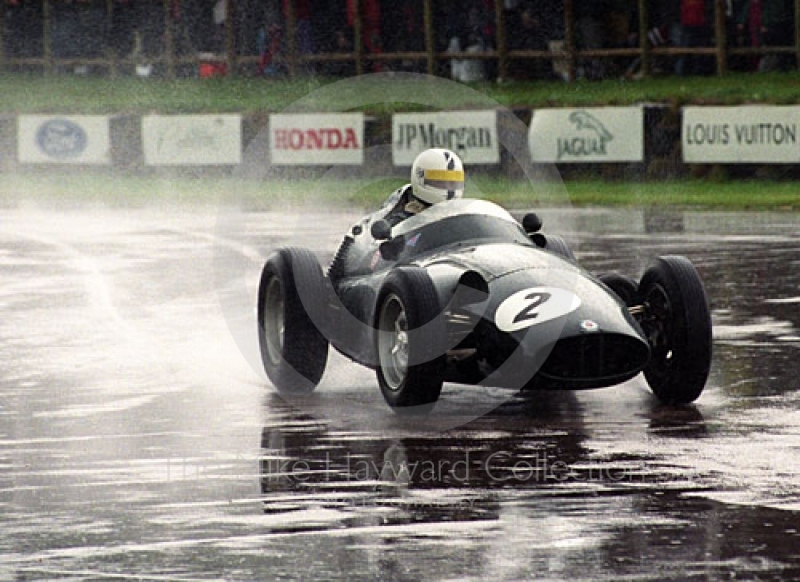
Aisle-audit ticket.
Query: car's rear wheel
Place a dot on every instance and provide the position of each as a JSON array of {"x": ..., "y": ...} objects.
[
  {"x": 410, "y": 340},
  {"x": 293, "y": 349},
  {"x": 677, "y": 323}
]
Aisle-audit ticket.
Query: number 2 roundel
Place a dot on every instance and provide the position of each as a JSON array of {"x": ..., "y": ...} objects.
[{"x": 533, "y": 306}]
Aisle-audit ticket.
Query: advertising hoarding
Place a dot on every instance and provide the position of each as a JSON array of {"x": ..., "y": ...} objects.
[
  {"x": 587, "y": 135},
  {"x": 316, "y": 139},
  {"x": 471, "y": 134},
  {"x": 192, "y": 140},
  {"x": 63, "y": 139},
  {"x": 743, "y": 134}
]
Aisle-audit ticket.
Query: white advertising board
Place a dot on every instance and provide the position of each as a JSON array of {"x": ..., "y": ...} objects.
[
  {"x": 742, "y": 134},
  {"x": 471, "y": 134},
  {"x": 63, "y": 139},
  {"x": 192, "y": 140},
  {"x": 591, "y": 135},
  {"x": 316, "y": 139}
]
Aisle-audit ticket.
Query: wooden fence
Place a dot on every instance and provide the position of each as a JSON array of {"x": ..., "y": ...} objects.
[{"x": 500, "y": 55}]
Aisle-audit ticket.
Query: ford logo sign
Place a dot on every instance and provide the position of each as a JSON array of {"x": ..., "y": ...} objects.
[{"x": 61, "y": 139}]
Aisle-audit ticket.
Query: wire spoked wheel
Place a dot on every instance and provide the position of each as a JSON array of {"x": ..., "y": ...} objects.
[
  {"x": 393, "y": 343},
  {"x": 409, "y": 341},
  {"x": 274, "y": 327}
]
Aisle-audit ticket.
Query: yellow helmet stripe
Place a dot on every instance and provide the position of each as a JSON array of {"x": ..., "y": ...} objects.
[{"x": 445, "y": 175}]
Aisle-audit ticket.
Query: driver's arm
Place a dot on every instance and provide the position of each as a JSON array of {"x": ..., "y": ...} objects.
[{"x": 393, "y": 209}]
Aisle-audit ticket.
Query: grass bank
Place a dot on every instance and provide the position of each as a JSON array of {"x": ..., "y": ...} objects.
[
  {"x": 86, "y": 95},
  {"x": 127, "y": 191}
]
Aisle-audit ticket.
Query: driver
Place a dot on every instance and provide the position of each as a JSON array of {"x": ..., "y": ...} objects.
[{"x": 436, "y": 175}]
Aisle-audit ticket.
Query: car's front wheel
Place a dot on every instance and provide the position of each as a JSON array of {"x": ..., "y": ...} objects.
[
  {"x": 410, "y": 340},
  {"x": 293, "y": 349},
  {"x": 677, "y": 323}
]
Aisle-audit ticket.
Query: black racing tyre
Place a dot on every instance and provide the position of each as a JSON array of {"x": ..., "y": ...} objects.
[
  {"x": 410, "y": 341},
  {"x": 293, "y": 349},
  {"x": 677, "y": 323},
  {"x": 559, "y": 246},
  {"x": 623, "y": 287}
]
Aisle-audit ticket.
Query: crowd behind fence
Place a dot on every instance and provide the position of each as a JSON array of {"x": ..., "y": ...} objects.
[{"x": 470, "y": 40}]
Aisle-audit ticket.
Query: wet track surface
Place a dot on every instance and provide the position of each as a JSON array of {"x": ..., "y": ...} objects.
[{"x": 138, "y": 441}]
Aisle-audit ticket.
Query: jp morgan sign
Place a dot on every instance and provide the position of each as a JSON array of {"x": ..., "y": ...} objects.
[
  {"x": 471, "y": 134},
  {"x": 592, "y": 135}
]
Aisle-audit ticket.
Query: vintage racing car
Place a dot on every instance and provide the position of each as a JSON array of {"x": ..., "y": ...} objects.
[{"x": 465, "y": 293}]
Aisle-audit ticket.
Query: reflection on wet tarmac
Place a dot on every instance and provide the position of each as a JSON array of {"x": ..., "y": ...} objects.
[
  {"x": 136, "y": 442},
  {"x": 528, "y": 477}
]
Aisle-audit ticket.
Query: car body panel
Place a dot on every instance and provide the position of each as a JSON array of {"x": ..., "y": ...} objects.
[{"x": 545, "y": 322}]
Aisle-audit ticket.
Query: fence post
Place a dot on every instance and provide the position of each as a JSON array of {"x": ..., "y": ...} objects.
[
  {"x": 2, "y": 35},
  {"x": 108, "y": 50},
  {"x": 797, "y": 31},
  {"x": 169, "y": 40},
  {"x": 230, "y": 36},
  {"x": 47, "y": 37},
  {"x": 721, "y": 34},
  {"x": 644, "y": 43},
  {"x": 430, "y": 40},
  {"x": 569, "y": 37},
  {"x": 500, "y": 33},
  {"x": 291, "y": 41},
  {"x": 358, "y": 37}
]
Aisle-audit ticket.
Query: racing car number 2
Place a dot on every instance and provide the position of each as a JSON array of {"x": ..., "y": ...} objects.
[{"x": 533, "y": 306}]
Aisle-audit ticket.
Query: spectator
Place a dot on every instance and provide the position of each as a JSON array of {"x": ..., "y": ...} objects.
[
  {"x": 664, "y": 29},
  {"x": 618, "y": 21},
  {"x": 403, "y": 30},
  {"x": 480, "y": 19},
  {"x": 621, "y": 23},
  {"x": 78, "y": 31},
  {"x": 767, "y": 23},
  {"x": 269, "y": 42},
  {"x": 591, "y": 34},
  {"x": 657, "y": 35},
  {"x": 342, "y": 43},
  {"x": 696, "y": 19},
  {"x": 220, "y": 16},
  {"x": 748, "y": 25},
  {"x": 303, "y": 30},
  {"x": 471, "y": 34},
  {"x": 137, "y": 31},
  {"x": 370, "y": 27},
  {"x": 527, "y": 32},
  {"x": 23, "y": 23},
  {"x": 468, "y": 70}
]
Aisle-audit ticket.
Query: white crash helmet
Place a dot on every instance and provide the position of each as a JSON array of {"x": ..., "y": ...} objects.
[{"x": 437, "y": 175}]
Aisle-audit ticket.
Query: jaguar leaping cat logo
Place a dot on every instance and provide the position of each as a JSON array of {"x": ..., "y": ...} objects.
[
  {"x": 591, "y": 140},
  {"x": 585, "y": 120}
]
